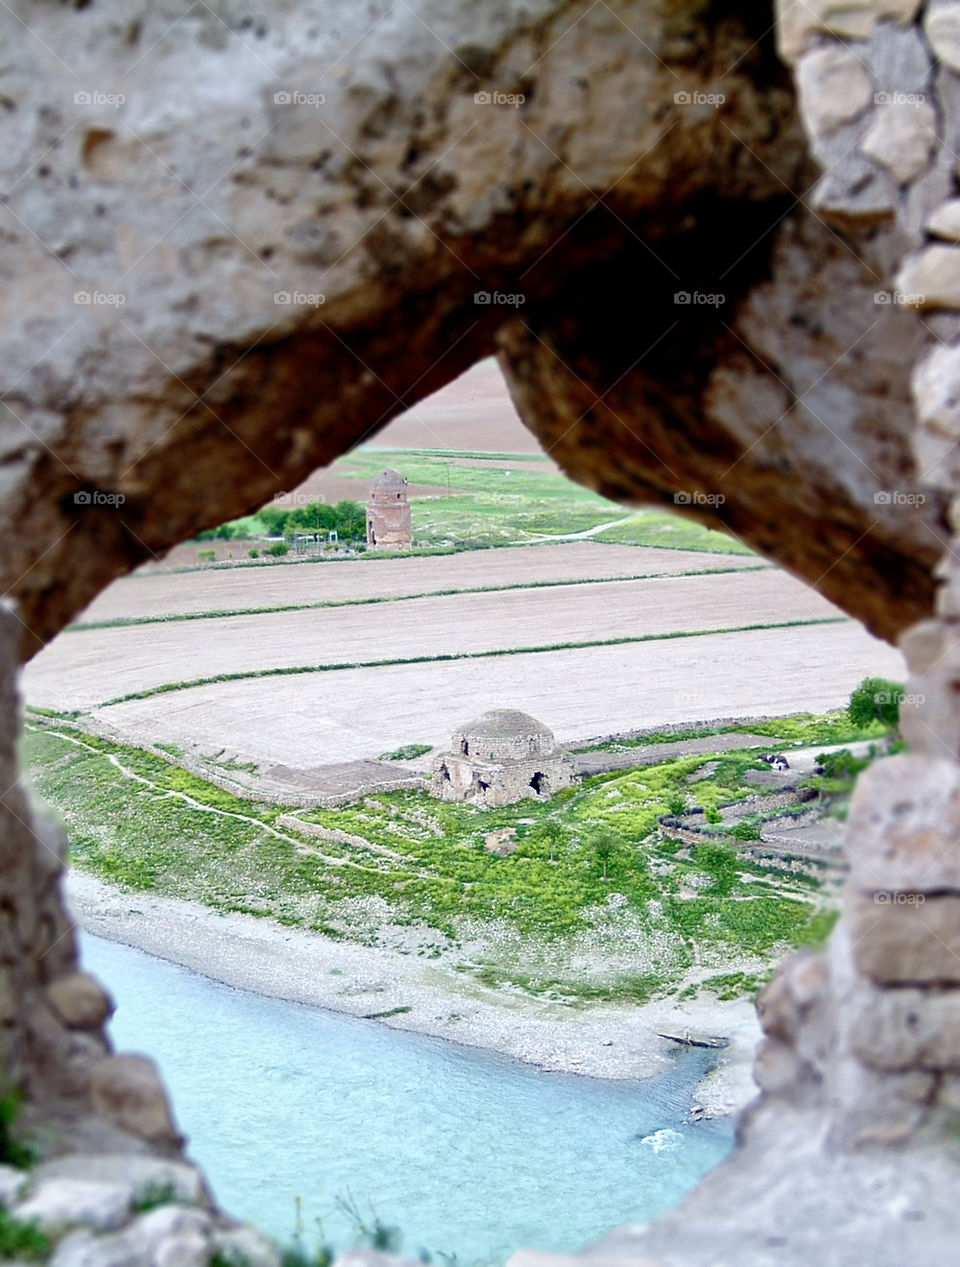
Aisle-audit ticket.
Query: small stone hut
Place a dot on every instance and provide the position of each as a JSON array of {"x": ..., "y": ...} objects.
[
  {"x": 501, "y": 757},
  {"x": 388, "y": 512}
]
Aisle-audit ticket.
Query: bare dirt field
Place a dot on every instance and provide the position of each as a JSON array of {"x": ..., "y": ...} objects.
[
  {"x": 281, "y": 584},
  {"x": 86, "y": 668},
  {"x": 473, "y": 413},
  {"x": 351, "y": 714}
]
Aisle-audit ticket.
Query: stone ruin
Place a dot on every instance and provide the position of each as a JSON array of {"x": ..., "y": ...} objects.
[
  {"x": 237, "y": 239},
  {"x": 388, "y": 512},
  {"x": 501, "y": 757}
]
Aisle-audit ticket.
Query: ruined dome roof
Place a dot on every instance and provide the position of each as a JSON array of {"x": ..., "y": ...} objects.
[
  {"x": 505, "y": 722},
  {"x": 389, "y": 479},
  {"x": 503, "y": 734}
]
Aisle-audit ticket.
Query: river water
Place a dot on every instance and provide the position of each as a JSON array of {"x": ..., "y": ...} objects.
[{"x": 467, "y": 1153}]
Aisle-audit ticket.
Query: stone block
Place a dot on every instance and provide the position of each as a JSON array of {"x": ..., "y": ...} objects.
[
  {"x": 903, "y": 829},
  {"x": 901, "y": 137},
  {"x": 834, "y": 88},
  {"x": 904, "y": 943},
  {"x": 944, "y": 222},
  {"x": 931, "y": 278},
  {"x": 942, "y": 28},
  {"x": 846, "y": 19},
  {"x": 900, "y": 1029}
]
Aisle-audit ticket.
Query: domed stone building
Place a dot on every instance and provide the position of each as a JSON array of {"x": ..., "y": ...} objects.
[
  {"x": 388, "y": 512},
  {"x": 501, "y": 757}
]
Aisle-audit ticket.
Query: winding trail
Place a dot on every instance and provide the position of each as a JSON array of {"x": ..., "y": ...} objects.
[{"x": 187, "y": 799}]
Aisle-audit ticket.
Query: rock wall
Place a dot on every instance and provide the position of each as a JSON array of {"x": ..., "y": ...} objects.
[{"x": 235, "y": 240}]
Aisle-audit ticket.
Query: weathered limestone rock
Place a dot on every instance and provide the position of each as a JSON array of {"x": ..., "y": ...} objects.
[
  {"x": 907, "y": 939},
  {"x": 942, "y": 27},
  {"x": 169, "y": 1237},
  {"x": 906, "y": 1028},
  {"x": 56, "y": 1203},
  {"x": 144, "y": 1176},
  {"x": 902, "y": 137},
  {"x": 127, "y": 1091},
  {"x": 904, "y": 827},
  {"x": 380, "y": 212},
  {"x": 931, "y": 279},
  {"x": 798, "y": 20},
  {"x": 834, "y": 88},
  {"x": 945, "y": 221},
  {"x": 179, "y": 350},
  {"x": 80, "y": 1001}
]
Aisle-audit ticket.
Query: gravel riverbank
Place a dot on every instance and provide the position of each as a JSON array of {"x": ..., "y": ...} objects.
[{"x": 413, "y": 993}]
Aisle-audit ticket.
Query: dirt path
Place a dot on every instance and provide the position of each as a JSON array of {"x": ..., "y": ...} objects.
[{"x": 650, "y": 754}]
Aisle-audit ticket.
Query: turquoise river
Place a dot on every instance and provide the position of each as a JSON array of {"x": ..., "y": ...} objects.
[{"x": 467, "y": 1153}]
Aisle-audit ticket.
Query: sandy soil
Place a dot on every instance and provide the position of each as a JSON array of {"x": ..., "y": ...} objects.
[
  {"x": 84, "y": 669},
  {"x": 268, "y": 958},
  {"x": 275, "y": 585},
  {"x": 305, "y": 721}
]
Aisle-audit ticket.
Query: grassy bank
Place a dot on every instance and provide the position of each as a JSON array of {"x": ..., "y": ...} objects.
[{"x": 561, "y": 916}]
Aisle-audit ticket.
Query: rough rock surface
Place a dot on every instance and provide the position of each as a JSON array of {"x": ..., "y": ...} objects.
[{"x": 236, "y": 239}]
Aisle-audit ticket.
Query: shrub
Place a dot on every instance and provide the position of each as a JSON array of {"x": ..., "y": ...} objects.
[
  {"x": 746, "y": 831},
  {"x": 712, "y": 814},
  {"x": 676, "y": 803},
  {"x": 842, "y": 764},
  {"x": 278, "y": 549},
  {"x": 22, "y": 1240},
  {"x": 254, "y": 554},
  {"x": 13, "y": 1151},
  {"x": 206, "y": 556},
  {"x": 408, "y": 752}
]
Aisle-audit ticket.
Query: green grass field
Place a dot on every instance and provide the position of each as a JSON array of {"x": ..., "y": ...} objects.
[
  {"x": 513, "y": 499},
  {"x": 139, "y": 821}
]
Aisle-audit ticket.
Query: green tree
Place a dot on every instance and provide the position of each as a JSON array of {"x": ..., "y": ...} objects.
[
  {"x": 313, "y": 517},
  {"x": 350, "y": 520},
  {"x": 876, "y": 699},
  {"x": 552, "y": 835},
  {"x": 274, "y": 520},
  {"x": 604, "y": 845}
]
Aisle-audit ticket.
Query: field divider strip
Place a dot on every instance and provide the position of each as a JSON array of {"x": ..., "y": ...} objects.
[
  {"x": 126, "y": 622},
  {"x": 295, "y": 669}
]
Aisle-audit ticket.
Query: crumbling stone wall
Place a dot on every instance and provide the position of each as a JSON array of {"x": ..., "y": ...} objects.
[{"x": 216, "y": 281}]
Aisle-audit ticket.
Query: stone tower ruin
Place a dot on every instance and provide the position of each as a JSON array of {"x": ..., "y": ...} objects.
[{"x": 388, "y": 512}]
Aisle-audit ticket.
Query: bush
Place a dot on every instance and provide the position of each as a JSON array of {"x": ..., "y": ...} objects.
[
  {"x": 876, "y": 699},
  {"x": 407, "y": 753},
  {"x": 206, "y": 556},
  {"x": 746, "y": 831},
  {"x": 279, "y": 549},
  {"x": 676, "y": 803},
  {"x": 842, "y": 764},
  {"x": 254, "y": 554},
  {"x": 712, "y": 815}
]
